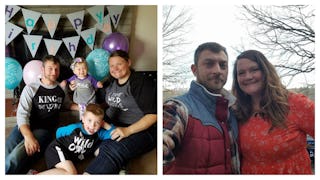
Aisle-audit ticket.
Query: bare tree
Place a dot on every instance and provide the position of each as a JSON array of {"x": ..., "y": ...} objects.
[
  {"x": 285, "y": 33},
  {"x": 176, "y": 25}
]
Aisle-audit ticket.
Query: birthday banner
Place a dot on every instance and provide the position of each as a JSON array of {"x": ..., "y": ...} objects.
[
  {"x": 103, "y": 23},
  {"x": 51, "y": 21},
  {"x": 105, "y": 27},
  {"x": 12, "y": 31},
  {"x": 71, "y": 44},
  {"x": 33, "y": 42},
  {"x": 52, "y": 45},
  {"x": 11, "y": 11},
  {"x": 115, "y": 14},
  {"x": 76, "y": 20}
]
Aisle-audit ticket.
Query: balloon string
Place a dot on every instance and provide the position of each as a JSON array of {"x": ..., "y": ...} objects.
[{"x": 16, "y": 95}]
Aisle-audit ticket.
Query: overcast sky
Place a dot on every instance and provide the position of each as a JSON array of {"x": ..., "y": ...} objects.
[{"x": 219, "y": 23}]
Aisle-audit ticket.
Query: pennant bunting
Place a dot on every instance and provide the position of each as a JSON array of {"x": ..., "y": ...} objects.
[
  {"x": 33, "y": 42},
  {"x": 10, "y": 11},
  {"x": 30, "y": 18},
  {"x": 12, "y": 31},
  {"x": 97, "y": 12},
  {"x": 115, "y": 14},
  {"x": 52, "y": 45},
  {"x": 76, "y": 20},
  {"x": 106, "y": 26},
  {"x": 51, "y": 21},
  {"x": 71, "y": 44},
  {"x": 89, "y": 37}
]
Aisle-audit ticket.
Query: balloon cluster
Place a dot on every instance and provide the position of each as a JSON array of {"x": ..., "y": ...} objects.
[
  {"x": 14, "y": 72},
  {"x": 98, "y": 59},
  {"x": 97, "y": 62}
]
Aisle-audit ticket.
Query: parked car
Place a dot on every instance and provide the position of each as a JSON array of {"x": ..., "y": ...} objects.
[{"x": 310, "y": 147}]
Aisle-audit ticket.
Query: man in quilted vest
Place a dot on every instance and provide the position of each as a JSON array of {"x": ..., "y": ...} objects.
[{"x": 200, "y": 132}]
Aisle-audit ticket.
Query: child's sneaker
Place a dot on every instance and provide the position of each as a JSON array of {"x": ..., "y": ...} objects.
[
  {"x": 32, "y": 172},
  {"x": 123, "y": 171}
]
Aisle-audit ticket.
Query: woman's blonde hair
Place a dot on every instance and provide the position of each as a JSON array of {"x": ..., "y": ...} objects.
[{"x": 274, "y": 96}]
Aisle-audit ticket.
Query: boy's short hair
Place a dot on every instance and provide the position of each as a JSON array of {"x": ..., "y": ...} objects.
[{"x": 95, "y": 109}]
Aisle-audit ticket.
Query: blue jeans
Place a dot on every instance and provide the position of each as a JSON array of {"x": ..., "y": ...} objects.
[
  {"x": 17, "y": 160},
  {"x": 114, "y": 155}
]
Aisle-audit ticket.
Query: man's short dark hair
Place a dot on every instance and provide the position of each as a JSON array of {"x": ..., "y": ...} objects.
[
  {"x": 211, "y": 46},
  {"x": 52, "y": 58}
]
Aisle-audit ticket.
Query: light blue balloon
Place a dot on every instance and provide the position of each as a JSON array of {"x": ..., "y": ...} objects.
[
  {"x": 13, "y": 73},
  {"x": 98, "y": 63}
]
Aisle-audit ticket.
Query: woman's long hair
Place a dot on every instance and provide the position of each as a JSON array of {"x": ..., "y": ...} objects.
[{"x": 274, "y": 96}]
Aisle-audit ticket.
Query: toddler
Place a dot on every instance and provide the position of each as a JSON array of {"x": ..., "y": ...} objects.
[{"x": 82, "y": 84}]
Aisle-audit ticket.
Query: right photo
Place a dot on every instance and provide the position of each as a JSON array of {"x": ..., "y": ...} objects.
[{"x": 238, "y": 89}]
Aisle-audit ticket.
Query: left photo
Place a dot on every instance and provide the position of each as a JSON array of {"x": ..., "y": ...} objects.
[{"x": 80, "y": 89}]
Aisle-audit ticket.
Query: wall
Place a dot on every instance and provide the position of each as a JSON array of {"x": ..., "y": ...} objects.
[{"x": 143, "y": 42}]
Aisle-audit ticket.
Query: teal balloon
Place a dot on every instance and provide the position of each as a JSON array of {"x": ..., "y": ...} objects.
[
  {"x": 98, "y": 63},
  {"x": 13, "y": 73}
]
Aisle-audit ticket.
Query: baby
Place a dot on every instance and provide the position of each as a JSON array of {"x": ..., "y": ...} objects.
[{"x": 82, "y": 84}]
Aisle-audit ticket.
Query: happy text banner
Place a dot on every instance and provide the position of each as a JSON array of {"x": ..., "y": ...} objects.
[
  {"x": 97, "y": 12},
  {"x": 10, "y": 11},
  {"x": 76, "y": 19},
  {"x": 30, "y": 19},
  {"x": 51, "y": 21}
]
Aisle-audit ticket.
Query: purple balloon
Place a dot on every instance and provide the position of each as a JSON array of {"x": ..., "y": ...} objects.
[{"x": 115, "y": 41}]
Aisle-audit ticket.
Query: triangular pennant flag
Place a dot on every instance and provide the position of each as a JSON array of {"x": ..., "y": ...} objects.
[
  {"x": 106, "y": 26},
  {"x": 30, "y": 18},
  {"x": 33, "y": 42},
  {"x": 51, "y": 21},
  {"x": 52, "y": 45},
  {"x": 10, "y": 11},
  {"x": 72, "y": 44},
  {"x": 76, "y": 20},
  {"x": 89, "y": 36},
  {"x": 97, "y": 12},
  {"x": 115, "y": 14},
  {"x": 12, "y": 31}
]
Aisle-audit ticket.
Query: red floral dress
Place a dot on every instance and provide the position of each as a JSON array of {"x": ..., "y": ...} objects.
[{"x": 281, "y": 151}]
